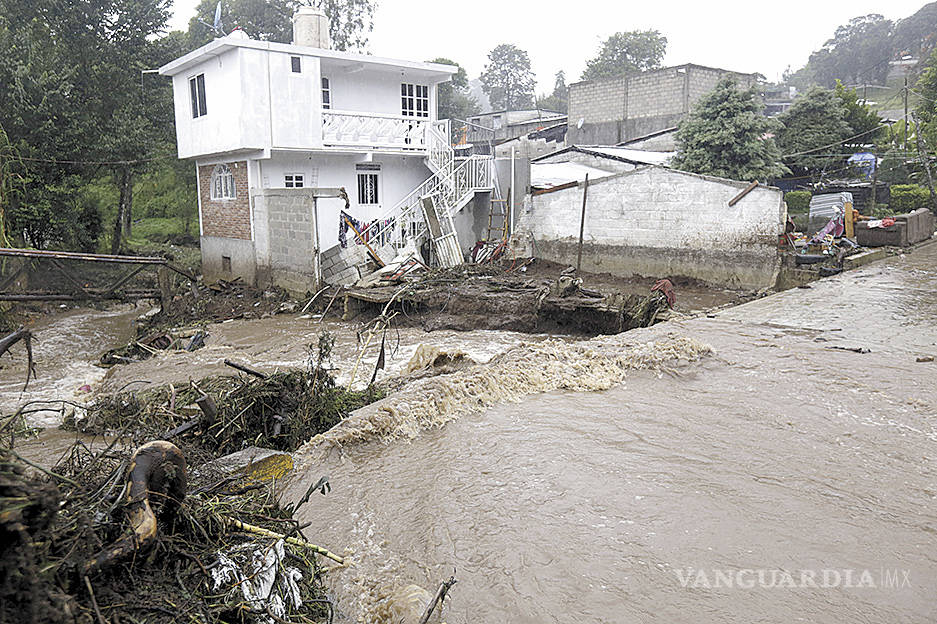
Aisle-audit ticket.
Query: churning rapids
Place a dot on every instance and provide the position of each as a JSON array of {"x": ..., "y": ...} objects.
[{"x": 615, "y": 479}]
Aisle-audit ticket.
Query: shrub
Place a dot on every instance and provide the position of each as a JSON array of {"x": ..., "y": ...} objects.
[
  {"x": 908, "y": 197},
  {"x": 797, "y": 201}
]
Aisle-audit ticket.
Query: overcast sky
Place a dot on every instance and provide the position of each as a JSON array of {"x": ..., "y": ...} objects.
[{"x": 740, "y": 35}]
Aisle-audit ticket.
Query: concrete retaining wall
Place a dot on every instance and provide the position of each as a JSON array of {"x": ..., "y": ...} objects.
[{"x": 657, "y": 222}]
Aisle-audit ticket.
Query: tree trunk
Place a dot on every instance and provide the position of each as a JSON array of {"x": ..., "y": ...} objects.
[
  {"x": 122, "y": 220},
  {"x": 126, "y": 198}
]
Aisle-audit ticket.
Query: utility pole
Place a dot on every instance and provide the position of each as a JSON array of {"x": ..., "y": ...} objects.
[{"x": 906, "y": 112}]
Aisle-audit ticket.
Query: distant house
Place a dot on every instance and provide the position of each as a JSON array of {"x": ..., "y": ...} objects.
[
  {"x": 609, "y": 112},
  {"x": 267, "y": 124},
  {"x": 491, "y": 129}
]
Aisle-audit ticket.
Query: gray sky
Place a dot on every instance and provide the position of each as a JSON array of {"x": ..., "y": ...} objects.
[{"x": 739, "y": 35}]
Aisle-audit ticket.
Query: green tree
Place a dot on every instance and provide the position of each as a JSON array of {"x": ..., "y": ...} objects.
[
  {"x": 861, "y": 119},
  {"x": 508, "y": 80},
  {"x": 73, "y": 76},
  {"x": 350, "y": 21},
  {"x": 558, "y": 100},
  {"x": 926, "y": 110},
  {"x": 727, "y": 136},
  {"x": 626, "y": 53},
  {"x": 813, "y": 132},
  {"x": 858, "y": 52},
  {"x": 453, "y": 100}
]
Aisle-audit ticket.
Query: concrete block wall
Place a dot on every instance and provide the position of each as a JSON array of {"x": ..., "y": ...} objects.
[
  {"x": 288, "y": 232},
  {"x": 653, "y": 94},
  {"x": 657, "y": 222},
  {"x": 340, "y": 266},
  {"x": 620, "y": 109},
  {"x": 597, "y": 101}
]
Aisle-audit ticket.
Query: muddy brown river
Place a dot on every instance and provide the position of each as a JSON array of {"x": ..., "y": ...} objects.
[{"x": 772, "y": 463}]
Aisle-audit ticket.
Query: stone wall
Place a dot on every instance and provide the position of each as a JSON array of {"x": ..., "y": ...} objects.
[
  {"x": 657, "y": 222},
  {"x": 227, "y": 218},
  {"x": 285, "y": 225}
]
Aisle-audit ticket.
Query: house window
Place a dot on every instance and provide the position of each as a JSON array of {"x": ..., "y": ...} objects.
[
  {"x": 293, "y": 180},
  {"x": 326, "y": 93},
  {"x": 368, "y": 184},
  {"x": 296, "y": 64},
  {"x": 414, "y": 100},
  {"x": 197, "y": 94},
  {"x": 222, "y": 183},
  {"x": 496, "y": 122}
]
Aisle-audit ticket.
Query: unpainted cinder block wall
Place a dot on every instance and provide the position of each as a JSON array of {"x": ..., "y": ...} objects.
[
  {"x": 657, "y": 222},
  {"x": 620, "y": 109},
  {"x": 285, "y": 226}
]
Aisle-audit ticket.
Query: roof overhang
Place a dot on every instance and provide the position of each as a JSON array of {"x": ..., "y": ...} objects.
[{"x": 435, "y": 71}]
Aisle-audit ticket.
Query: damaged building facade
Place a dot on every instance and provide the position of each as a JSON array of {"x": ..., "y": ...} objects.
[{"x": 267, "y": 123}]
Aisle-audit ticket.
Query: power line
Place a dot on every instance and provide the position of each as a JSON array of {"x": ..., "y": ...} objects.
[
  {"x": 96, "y": 162},
  {"x": 823, "y": 147}
]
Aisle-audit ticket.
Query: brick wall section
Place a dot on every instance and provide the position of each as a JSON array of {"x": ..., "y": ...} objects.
[
  {"x": 230, "y": 218},
  {"x": 658, "y": 222}
]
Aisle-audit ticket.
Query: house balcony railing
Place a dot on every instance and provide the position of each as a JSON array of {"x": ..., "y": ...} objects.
[{"x": 374, "y": 131}]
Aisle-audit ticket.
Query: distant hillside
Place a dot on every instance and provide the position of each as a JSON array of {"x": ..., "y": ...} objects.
[{"x": 862, "y": 51}]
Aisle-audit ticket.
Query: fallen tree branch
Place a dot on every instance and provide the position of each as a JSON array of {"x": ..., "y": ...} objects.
[
  {"x": 440, "y": 596},
  {"x": 295, "y": 541},
  {"x": 245, "y": 369}
]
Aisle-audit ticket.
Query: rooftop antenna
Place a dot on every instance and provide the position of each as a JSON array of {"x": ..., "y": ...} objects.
[{"x": 216, "y": 26}]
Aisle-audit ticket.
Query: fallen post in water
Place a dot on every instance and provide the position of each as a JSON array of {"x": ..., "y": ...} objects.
[
  {"x": 156, "y": 467},
  {"x": 245, "y": 369},
  {"x": 11, "y": 339},
  {"x": 295, "y": 541},
  {"x": 440, "y": 596}
]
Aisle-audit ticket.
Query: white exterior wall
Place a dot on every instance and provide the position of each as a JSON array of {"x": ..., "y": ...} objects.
[
  {"x": 658, "y": 222},
  {"x": 256, "y": 102},
  {"x": 399, "y": 176},
  {"x": 222, "y": 129}
]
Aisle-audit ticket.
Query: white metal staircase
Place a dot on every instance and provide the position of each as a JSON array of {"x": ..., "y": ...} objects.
[{"x": 427, "y": 211}]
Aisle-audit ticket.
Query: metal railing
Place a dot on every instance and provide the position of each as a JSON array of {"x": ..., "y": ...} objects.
[
  {"x": 374, "y": 130},
  {"x": 450, "y": 190}
]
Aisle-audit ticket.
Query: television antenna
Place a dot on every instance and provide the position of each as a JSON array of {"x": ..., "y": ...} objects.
[{"x": 216, "y": 26}]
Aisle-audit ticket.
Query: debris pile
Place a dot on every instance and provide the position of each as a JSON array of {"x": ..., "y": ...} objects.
[
  {"x": 225, "y": 414},
  {"x": 486, "y": 296},
  {"x": 108, "y": 534}
]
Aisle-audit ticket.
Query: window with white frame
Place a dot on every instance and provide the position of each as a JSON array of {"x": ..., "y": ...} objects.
[
  {"x": 222, "y": 183},
  {"x": 197, "y": 95},
  {"x": 296, "y": 64},
  {"x": 369, "y": 182},
  {"x": 293, "y": 180},
  {"x": 326, "y": 93},
  {"x": 414, "y": 100}
]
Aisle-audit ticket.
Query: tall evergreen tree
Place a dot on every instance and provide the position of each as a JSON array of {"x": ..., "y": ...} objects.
[{"x": 726, "y": 136}]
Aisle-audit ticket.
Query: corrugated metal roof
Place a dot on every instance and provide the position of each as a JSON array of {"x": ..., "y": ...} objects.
[{"x": 549, "y": 175}]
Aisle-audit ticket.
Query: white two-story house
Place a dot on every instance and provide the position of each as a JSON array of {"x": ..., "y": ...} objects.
[{"x": 262, "y": 121}]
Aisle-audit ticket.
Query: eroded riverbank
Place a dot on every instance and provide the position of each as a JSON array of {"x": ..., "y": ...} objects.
[{"x": 781, "y": 451}]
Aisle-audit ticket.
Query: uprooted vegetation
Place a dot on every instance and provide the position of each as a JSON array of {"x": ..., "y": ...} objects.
[
  {"x": 224, "y": 414},
  {"x": 77, "y": 550},
  {"x": 144, "y": 531}
]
